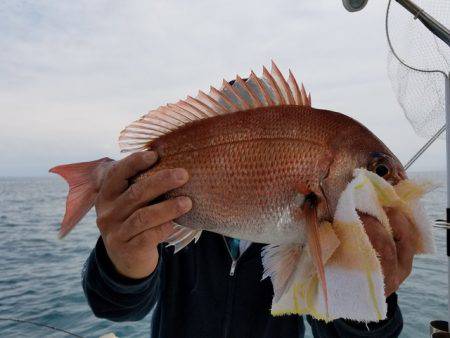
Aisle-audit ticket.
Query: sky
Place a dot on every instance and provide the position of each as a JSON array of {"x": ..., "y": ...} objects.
[{"x": 75, "y": 73}]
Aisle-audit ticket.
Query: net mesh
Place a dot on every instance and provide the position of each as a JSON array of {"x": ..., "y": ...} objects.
[{"x": 419, "y": 85}]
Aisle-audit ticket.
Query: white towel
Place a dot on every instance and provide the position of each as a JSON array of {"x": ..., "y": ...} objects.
[{"x": 352, "y": 268}]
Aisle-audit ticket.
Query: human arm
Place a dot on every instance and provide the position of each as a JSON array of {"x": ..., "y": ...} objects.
[
  {"x": 113, "y": 296},
  {"x": 122, "y": 276}
]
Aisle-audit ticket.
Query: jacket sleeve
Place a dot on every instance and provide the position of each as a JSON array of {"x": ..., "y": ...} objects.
[
  {"x": 114, "y": 296},
  {"x": 388, "y": 328}
]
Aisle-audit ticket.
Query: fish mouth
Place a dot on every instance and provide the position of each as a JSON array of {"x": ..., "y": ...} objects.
[
  {"x": 402, "y": 175},
  {"x": 395, "y": 181},
  {"x": 397, "y": 176}
]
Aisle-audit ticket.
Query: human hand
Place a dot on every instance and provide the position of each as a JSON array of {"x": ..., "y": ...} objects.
[
  {"x": 130, "y": 228},
  {"x": 396, "y": 254}
]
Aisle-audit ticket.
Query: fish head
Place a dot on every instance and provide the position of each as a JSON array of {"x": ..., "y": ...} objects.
[{"x": 358, "y": 148}]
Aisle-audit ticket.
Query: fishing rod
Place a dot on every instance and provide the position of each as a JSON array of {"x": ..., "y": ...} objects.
[{"x": 50, "y": 327}]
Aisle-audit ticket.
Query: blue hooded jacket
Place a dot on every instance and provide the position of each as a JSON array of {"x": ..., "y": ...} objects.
[{"x": 196, "y": 293}]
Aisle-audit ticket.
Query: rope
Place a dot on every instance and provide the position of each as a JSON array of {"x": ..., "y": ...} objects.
[{"x": 22, "y": 321}]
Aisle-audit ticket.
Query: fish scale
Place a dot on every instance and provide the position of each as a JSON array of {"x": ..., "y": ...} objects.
[{"x": 243, "y": 182}]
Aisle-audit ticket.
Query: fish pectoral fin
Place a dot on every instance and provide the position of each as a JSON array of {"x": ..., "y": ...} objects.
[
  {"x": 182, "y": 237},
  {"x": 309, "y": 210}
]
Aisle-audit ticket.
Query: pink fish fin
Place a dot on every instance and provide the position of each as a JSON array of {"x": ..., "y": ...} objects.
[
  {"x": 235, "y": 94},
  {"x": 280, "y": 263},
  {"x": 182, "y": 237},
  {"x": 283, "y": 85},
  {"x": 247, "y": 91},
  {"x": 296, "y": 90},
  {"x": 309, "y": 211},
  {"x": 273, "y": 85},
  {"x": 84, "y": 182},
  {"x": 260, "y": 87},
  {"x": 244, "y": 93},
  {"x": 220, "y": 96},
  {"x": 304, "y": 96}
]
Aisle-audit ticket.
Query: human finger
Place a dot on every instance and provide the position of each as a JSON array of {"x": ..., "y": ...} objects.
[
  {"x": 154, "y": 215},
  {"x": 384, "y": 245},
  {"x": 117, "y": 179},
  {"x": 144, "y": 191}
]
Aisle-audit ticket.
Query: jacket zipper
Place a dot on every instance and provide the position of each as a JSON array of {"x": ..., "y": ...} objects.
[
  {"x": 231, "y": 288},
  {"x": 233, "y": 261},
  {"x": 233, "y": 267}
]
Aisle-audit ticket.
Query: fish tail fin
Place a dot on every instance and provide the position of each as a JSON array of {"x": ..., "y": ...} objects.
[
  {"x": 84, "y": 182},
  {"x": 312, "y": 224}
]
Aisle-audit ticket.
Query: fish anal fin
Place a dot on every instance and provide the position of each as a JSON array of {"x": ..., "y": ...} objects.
[{"x": 182, "y": 237}]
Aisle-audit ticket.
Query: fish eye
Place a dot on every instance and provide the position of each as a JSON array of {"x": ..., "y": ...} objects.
[{"x": 381, "y": 170}]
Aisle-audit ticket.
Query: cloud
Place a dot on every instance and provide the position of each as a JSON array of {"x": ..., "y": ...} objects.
[{"x": 74, "y": 73}]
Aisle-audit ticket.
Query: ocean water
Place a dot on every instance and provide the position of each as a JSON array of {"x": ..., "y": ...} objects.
[{"x": 40, "y": 275}]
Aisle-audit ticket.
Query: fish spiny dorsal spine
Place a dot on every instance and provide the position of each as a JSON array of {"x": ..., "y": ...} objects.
[{"x": 269, "y": 90}]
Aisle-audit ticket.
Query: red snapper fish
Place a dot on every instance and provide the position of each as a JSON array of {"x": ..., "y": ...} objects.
[{"x": 266, "y": 167}]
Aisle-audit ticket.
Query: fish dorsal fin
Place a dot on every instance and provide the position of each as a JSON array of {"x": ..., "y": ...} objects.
[{"x": 269, "y": 90}]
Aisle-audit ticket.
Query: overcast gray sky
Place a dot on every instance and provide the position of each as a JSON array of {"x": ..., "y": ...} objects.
[{"x": 74, "y": 73}]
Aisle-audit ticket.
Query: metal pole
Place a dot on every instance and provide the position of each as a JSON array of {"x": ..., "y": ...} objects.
[
  {"x": 440, "y": 328},
  {"x": 447, "y": 119},
  {"x": 431, "y": 23},
  {"x": 425, "y": 147}
]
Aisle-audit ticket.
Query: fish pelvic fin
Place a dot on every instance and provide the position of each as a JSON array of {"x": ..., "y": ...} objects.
[
  {"x": 84, "y": 183},
  {"x": 280, "y": 263},
  {"x": 312, "y": 230},
  {"x": 268, "y": 90},
  {"x": 292, "y": 271}
]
